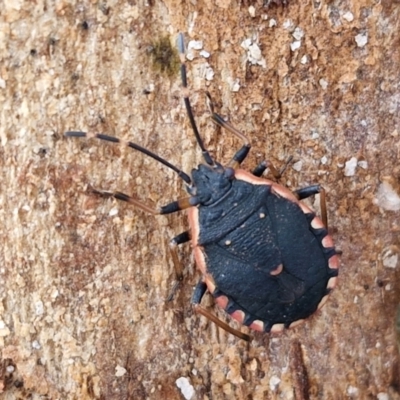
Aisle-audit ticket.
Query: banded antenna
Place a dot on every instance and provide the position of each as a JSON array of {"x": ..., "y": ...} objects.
[
  {"x": 206, "y": 155},
  {"x": 135, "y": 146},
  {"x": 181, "y": 48}
]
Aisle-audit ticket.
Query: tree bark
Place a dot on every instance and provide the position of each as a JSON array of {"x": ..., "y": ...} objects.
[{"x": 84, "y": 280}]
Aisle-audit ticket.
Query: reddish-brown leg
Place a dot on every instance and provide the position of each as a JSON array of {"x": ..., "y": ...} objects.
[
  {"x": 184, "y": 237},
  {"x": 242, "y": 153},
  {"x": 172, "y": 207},
  {"x": 311, "y": 191},
  {"x": 198, "y": 294},
  {"x": 277, "y": 174}
]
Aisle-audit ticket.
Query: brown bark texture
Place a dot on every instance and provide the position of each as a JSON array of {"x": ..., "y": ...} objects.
[{"x": 84, "y": 280}]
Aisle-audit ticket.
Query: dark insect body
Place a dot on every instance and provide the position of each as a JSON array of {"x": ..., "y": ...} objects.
[{"x": 265, "y": 257}]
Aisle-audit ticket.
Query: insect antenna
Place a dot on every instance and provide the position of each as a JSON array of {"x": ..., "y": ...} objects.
[
  {"x": 181, "y": 49},
  {"x": 135, "y": 146}
]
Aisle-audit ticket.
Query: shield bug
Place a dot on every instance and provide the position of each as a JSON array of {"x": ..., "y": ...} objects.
[{"x": 264, "y": 256}]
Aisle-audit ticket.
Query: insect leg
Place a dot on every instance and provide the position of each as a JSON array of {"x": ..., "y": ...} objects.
[
  {"x": 259, "y": 170},
  {"x": 241, "y": 154},
  {"x": 167, "y": 209},
  {"x": 298, "y": 369},
  {"x": 398, "y": 326},
  {"x": 310, "y": 191},
  {"x": 173, "y": 246},
  {"x": 198, "y": 294},
  {"x": 307, "y": 191}
]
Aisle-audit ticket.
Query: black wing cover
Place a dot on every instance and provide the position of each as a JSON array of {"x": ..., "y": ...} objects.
[{"x": 248, "y": 234}]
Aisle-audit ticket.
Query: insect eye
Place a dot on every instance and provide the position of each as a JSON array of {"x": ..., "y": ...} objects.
[
  {"x": 191, "y": 190},
  {"x": 229, "y": 172}
]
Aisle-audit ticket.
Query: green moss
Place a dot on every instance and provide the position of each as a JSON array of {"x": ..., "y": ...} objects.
[{"x": 165, "y": 57}]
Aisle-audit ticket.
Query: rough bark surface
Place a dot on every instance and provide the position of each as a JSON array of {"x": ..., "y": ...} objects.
[{"x": 84, "y": 279}]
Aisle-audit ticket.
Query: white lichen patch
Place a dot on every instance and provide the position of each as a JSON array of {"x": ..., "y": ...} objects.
[
  {"x": 234, "y": 84},
  {"x": 120, "y": 371},
  {"x": 350, "y": 167},
  {"x": 361, "y": 39},
  {"x": 10, "y": 369},
  {"x": 323, "y": 83},
  {"x": 36, "y": 345},
  {"x": 348, "y": 16},
  {"x": 208, "y": 72},
  {"x": 288, "y": 25},
  {"x": 382, "y": 396},
  {"x": 387, "y": 198},
  {"x": 298, "y": 165},
  {"x": 4, "y": 331},
  {"x": 113, "y": 212},
  {"x": 352, "y": 390},
  {"x": 298, "y": 33},
  {"x": 190, "y": 55},
  {"x": 254, "y": 55},
  {"x": 186, "y": 388},
  {"x": 204, "y": 71},
  {"x": 204, "y": 53},
  {"x": 295, "y": 45},
  {"x": 390, "y": 257},
  {"x": 314, "y": 135},
  {"x": 195, "y": 44},
  {"x": 363, "y": 164},
  {"x": 274, "y": 382},
  {"x": 252, "y": 11},
  {"x": 39, "y": 307}
]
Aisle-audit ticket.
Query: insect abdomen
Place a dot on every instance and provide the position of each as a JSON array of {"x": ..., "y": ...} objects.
[{"x": 263, "y": 269}]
